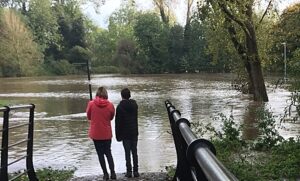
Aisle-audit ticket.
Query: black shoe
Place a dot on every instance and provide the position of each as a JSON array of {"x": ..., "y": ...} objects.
[
  {"x": 128, "y": 174},
  {"x": 113, "y": 176},
  {"x": 136, "y": 174},
  {"x": 105, "y": 176}
]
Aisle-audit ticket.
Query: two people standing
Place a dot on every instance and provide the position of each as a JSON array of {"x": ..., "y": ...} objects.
[{"x": 100, "y": 112}]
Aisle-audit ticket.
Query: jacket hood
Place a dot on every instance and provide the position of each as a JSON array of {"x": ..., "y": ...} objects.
[
  {"x": 128, "y": 105},
  {"x": 100, "y": 102}
]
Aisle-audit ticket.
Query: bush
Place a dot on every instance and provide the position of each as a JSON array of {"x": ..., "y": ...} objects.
[
  {"x": 48, "y": 174},
  {"x": 61, "y": 67},
  {"x": 269, "y": 157},
  {"x": 269, "y": 136}
]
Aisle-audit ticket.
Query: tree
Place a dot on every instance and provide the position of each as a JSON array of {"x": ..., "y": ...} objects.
[
  {"x": 71, "y": 24},
  {"x": 287, "y": 30},
  {"x": 238, "y": 14},
  {"x": 19, "y": 55},
  {"x": 43, "y": 23},
  {"x": 152, "y": 36},
  {"x": 175, "y": 49}
]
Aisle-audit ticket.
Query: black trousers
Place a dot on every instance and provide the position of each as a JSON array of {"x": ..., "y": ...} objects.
[
  {"x": 130, "y": 147},
  {"x": 103, "y": 148}
]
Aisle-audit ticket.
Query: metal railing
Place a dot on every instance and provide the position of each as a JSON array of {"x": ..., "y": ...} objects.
[
  {"x": 196, "y": 158},
  {"x": 5, "y": 146}
]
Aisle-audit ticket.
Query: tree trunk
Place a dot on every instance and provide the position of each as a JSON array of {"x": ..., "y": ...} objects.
[
  {"x": 241, "y": 49},
  {"x": 260, "y": 93}
]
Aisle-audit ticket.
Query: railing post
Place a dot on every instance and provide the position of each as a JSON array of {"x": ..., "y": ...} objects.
[
  {"x": 29, "y": 161},
  {"x": 4, "y": 148},
  {"x": 183, "y": 171}
]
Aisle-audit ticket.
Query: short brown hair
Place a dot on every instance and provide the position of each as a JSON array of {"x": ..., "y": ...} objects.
[{"x": 102, "y": 92}]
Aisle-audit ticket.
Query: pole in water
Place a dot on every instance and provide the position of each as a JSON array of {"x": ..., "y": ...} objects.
[{"x": 89, "y": 78}]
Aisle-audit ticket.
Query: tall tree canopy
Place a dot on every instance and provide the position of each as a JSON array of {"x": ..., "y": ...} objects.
[{"x": 16, "y": 59}]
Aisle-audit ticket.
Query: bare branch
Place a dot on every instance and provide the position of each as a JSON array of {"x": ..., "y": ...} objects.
[{"x": 266, "y": 11}]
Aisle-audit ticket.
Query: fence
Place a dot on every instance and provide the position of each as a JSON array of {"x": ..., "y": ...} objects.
[
  {"x": 196, "y": 158},
  {"x": 5, "y": 140}
]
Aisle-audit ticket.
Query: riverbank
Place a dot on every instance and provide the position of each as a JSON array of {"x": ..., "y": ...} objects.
[{"x": 157, "y": 176}]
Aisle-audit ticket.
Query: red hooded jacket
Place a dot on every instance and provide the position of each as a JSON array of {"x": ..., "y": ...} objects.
[{"x": 100, "y": 112}]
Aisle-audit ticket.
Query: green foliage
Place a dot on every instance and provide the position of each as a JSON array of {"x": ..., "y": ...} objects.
[
  {"x": 49, "y": 174},
  {"x": 175, "y": 48},
  {"x": 285, "y": 159},
  {"x": 170, "y": 172},
  {"x": 16, "y": 59},
  {"x": 286, "y": 30},
  {"x": 126, "y": 57},
  {"x": 217, "y": 43},
  {"x": 269, "y": 136},
  {"x": 79, "y": 54},
  {"x": 269, "y": 157},
  {"x": 152, "y": 36},
  {"x": 294, "y": 64},
  {"x": 60, "y": 67},
  {"x": 43, "y": 23},
  {"x": 103, "y": 48},
  {"x": 62, "y": 32},
  {"x": 229, "y": 138}
]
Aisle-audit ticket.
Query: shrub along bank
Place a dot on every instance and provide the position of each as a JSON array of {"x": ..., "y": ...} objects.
[{"x": 268, "y": 157}]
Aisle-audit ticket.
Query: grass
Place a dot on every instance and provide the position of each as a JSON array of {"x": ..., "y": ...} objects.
[
  {"x": 3, "y": 103},
  {"x": 48, "y": 174}
]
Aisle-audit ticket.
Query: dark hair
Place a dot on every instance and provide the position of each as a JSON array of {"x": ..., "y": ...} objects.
[
  {"x": 102, "y": 92},
  {"x": 125, "y": 93}
]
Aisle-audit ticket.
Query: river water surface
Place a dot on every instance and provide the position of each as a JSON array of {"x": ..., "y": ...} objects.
[{"x": 60, "y": 137}]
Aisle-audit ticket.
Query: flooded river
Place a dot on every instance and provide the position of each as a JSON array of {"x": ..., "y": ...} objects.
[{"x": 60, "y": 137}]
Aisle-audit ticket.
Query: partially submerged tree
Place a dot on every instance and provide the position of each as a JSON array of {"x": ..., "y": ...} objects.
[{"x": 238, "y": 16}]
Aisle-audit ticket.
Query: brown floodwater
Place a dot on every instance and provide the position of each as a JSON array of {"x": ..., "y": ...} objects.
[{"x": 60, "y": 137}]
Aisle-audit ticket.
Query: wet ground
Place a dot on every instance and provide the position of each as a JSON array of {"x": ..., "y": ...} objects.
[{"x": 157, "y": 176}]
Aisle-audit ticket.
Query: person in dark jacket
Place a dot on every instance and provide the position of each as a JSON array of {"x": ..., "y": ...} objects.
[
  {"x": 127, "y": 130},
  {"x": 100, "y": 111}
]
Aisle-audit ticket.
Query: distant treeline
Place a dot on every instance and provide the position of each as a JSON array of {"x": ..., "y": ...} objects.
[{"x": 44, "y": 37}]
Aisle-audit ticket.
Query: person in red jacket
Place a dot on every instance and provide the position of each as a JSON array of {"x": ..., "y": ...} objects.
[{"x": 100, "y": 112}]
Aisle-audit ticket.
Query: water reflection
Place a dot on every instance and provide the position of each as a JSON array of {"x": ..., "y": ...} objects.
[{"x": 61, "y": 127}]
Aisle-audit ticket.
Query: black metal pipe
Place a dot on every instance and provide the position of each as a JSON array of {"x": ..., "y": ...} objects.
[
  {"x": 20, "y": 107},
  {"x": 200, "y": 151},
  {"x": 183, "y": 171},
  {"x": 29, "y": 161},
  {"x": 4, "y": 146},
  {"x": 89, "y": 78}
]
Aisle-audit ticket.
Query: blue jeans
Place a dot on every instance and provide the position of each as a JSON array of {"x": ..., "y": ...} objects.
[
  {"x": 103, "y": 148},
  {"x": 130, "y": 147}
]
